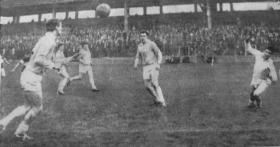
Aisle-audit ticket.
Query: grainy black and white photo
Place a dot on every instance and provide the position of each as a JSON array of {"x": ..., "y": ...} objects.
[{"x": 139, "y": 73}]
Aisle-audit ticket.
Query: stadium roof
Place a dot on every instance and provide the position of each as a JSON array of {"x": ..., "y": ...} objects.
[{"x": 25, "y": 7}]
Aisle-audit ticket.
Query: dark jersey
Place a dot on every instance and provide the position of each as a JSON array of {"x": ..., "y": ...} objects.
[{"x": 24, "y": 60}]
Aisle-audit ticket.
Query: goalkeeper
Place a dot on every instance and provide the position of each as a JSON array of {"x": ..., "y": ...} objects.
[{"x": 264, "y": 74}]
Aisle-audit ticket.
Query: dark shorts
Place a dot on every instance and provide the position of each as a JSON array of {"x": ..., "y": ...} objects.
[{"x": 32, "y": 99}]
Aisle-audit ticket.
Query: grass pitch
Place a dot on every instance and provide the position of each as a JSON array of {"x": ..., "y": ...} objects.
[{"x": 206, "y": 107}]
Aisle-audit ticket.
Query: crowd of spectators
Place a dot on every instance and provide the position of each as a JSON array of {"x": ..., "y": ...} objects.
[{"x": 174, "y": 39}]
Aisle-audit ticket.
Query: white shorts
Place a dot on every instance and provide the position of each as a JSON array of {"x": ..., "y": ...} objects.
[
  {"x": 260, "y": 85},
  {"x": 84, "y": 68},
  {"x": 256, "y": 82},
  {"x": 31, "y": 82},
  {"x": 151, "y": 72}
]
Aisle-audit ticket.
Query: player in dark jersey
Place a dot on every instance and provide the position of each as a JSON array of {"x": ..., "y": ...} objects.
[{"x": 23, "y": 62}]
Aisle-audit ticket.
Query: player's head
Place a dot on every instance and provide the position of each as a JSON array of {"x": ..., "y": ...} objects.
[
  {"x": 54, "y": 25},
  {"x": 60, "y": 46},
  {"x": 267, "y": 53},
  {"x": 144, "y": 35},
  {"x": 84, "y": 45}
]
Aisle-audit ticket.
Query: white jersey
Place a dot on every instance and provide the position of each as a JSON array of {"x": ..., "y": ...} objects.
[
  {"x": 42, "y": 54},
  {"x": 260, "y": 66},
  {"x": 59, "y": 58},
  {"x": 149, "y": 53},
  {"x": 85, "y": 57},
  {"x": 40, "y": 60}
]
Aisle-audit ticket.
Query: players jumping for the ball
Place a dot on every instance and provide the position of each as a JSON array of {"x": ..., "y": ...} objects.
[
  {"x": 151, "y": 57},
  {"x": 85, "y": 64},
  {"x": 264, "y": 74},
  {"x": 31, "y": 79}
]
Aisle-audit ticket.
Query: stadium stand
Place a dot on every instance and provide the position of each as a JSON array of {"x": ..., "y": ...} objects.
[{"x": 176, "y": 36}]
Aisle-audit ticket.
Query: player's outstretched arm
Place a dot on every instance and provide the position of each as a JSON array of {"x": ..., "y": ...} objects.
[
  {"x": 75, "y": 56},
  {"x": 6, "y": 61},
  {"x": 16, "y": 66},
  {"x": 250, "y": 49}
]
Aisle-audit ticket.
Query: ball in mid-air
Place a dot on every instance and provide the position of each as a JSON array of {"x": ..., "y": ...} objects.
[{"x": 103, "y": 10}]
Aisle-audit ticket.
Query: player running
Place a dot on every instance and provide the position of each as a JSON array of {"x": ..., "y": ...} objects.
[
  {"x": 61, "y": 61},
  {"x": 31, "y": 79},
  {"x": 85, "y": 64},
  {"x": 151, "y": 57},
  {"x": 263, "y": 74}
]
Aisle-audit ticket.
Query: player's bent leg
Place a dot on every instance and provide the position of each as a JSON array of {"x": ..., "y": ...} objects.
[
  {"x": 23, "y": 127},
  {"x": 150, "y": 88},
  {"x": 63, "y": 82},
  {"x": 91, "y": 80},
  {"x": 155, "y": 84},
  {"x": 252, "y": 98},
  {"x": 77, "y": 77},
  {"x": 34, "y": 99},
  {"x": 259, "y": 90},
  {"x": 28, "y": 118},
  {"x": 61, "y": 86},
  {"x": 19, "y": 111}
]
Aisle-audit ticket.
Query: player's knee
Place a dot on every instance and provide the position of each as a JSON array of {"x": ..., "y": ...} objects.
[
  {"x": 147, "y": 83},
  {"x": 77, "y": 78},
  {"x": 24, "y": 108},
  {"x": 155, "y": 84},
  {"x": 33, "y": 112},
  {"x": 37, "y": 110}
]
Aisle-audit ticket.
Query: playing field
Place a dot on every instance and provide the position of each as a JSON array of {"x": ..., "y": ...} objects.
[{"x": 206, "y": 107}]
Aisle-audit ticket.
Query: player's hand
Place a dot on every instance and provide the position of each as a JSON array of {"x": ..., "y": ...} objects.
[{"x": 13, "y": 70}]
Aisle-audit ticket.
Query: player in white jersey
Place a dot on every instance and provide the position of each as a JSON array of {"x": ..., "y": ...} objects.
[
  {"x": 30, "y": 80},
  {"x": 151, "y": 57},
  {"x": 264, "y": 74},
  {"x": 85, "y": 64},
  {"x": 61, "y": 61},
  {"x": 2, "y": 70}
]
